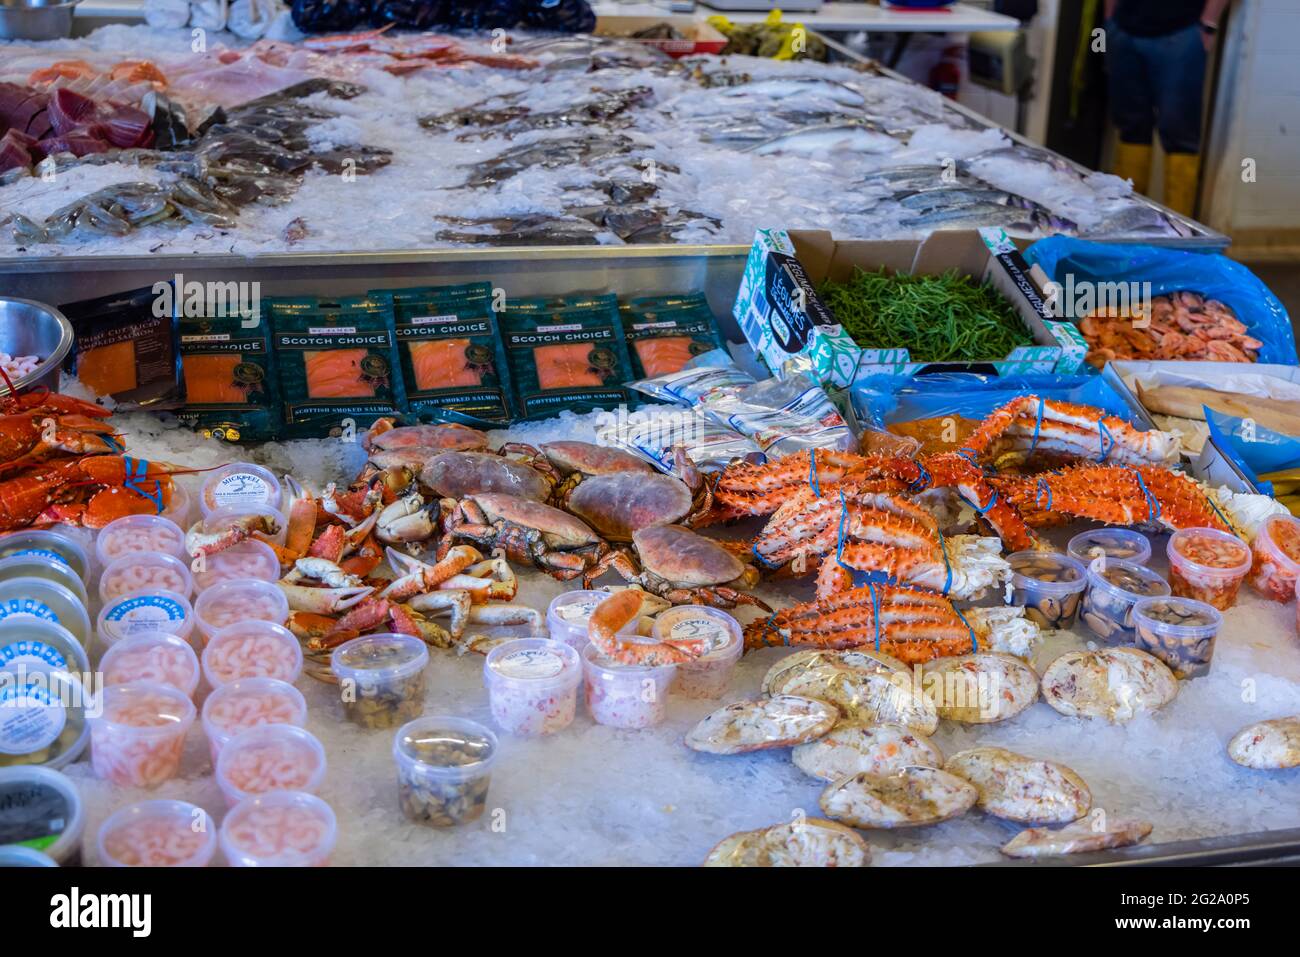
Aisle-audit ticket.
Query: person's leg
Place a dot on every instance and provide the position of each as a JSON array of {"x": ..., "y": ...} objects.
[
  {"x": 1132, "y": 106},
  {"x": 1179, "y": 85}
]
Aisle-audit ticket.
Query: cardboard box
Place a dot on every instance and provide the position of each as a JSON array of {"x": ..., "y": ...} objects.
[
  {"x": 786, "y": 323},
  {"x": 699, "y": 36}
]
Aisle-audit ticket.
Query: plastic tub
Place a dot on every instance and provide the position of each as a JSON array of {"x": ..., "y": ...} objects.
[
  {"x": 45, "y": 720},
  {"x": 41, "y": 810},
  {"x": 138, "y": 738},
  {"x": 50, "y": 569},
  {"x": 47, "y": 544},
  {"x": 240, "y": 485},
  {"x": 1178, "y": 631},
  {"x": 32, "y": 643},
  {"x": 39, "y": 598},
  {"x": 250, "y": 703},
  {"x": 136, "y": 534},
  {"x": 239, "y": 600},
  {"x": 1049, "y": 585},
  {"x": 280, "y": 829},
  {"x": 252, "y": 649},
  {"x": 533, "y": 685},
  {"x": 165, "y": 659},
  {"x": 180, "y": 506},
  {"x": 152, "y": 611},
  {"x": 158, "y": 833},
  {"x": 272, "y": 757},
  {"x": 1122, "y": 543},
  {"x": 1114, "y": 587},
  {"x": 249, "y": 560},
  {"x": 709, "y": 675},
  {"x": 444, "y": 767},
  {"x": 225, "y": 519},
  {"x": 1208, "y": 565},
  {"x": 15, "y": 856},
  {"x": 143, "y": 572},
  {"x": 381, "y": 679},
  {"x": 1276, "y": 563},
  {"x": 625, "y": 696},
  {"x": 566, "y": 618}
]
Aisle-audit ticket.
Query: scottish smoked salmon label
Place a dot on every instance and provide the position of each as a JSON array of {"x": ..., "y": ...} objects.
[
  {"x": 230, "y": 388},
  {"x": 666, "y": 332},
  {"x": 450, "y": 352},
  {"x": 565, "y": 356},
  {"x": 336, "y": 363}
]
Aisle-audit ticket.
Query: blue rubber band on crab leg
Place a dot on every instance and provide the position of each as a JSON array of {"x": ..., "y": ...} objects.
[
  {"x": 1106, "y": 439},
  {"x": 947, "y": 565},
  {"x": 1043, "y": 487},
  {"x": 922, "y": 480},
  {"x": 974, "y": 644},
  {"x": 1038, "y": 424},
  {"x": 763, "y": 561},
  {"x": 1223, "y": 518},
  {"x": 812, "y": 473},
  {"x": 969, "y": 456},
  {"x": 1153, "y": 503},
  {"x": 980, "y": 510},
  {"x": 875, "y": 611},
  {"x": 767, "y": 627}
]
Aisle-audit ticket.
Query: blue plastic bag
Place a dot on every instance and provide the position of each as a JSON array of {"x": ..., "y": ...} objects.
[
  {"x": 1174, "y": 270},
  {"x": 1256, "y": 449},
  {"x": 881, "y": 400}
]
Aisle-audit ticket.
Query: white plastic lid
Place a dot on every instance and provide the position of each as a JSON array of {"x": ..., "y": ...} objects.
[
  {"x": 186, "y": 818},
  {"x": 41, "y": 809},
  {"x": 533, "y": 661},
  {"x": 240, "y": 852},
  {"x": 698, "y": 622},
  {"x": 167, "y": 570},
  {"x": 34, "y": 565},
  {"x": 141, "y": 612},
  {"x": 25, "y": 599},
  {"x": 45, "y": 717},
  {"x": 33, "y": 643},
  {"x": 113, "y": 664},
  {"x": 50, "y": 544},
  {"x": 240, "y": 485},
  {"x": 218, "y": 673},
  {"x": 118, "y": 537}
]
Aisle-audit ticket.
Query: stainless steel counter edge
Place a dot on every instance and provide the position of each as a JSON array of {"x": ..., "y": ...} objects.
[{"x": 1262, "y": 847}]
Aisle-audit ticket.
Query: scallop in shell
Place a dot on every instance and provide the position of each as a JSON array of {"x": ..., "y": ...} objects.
[
  {"x": 807, "y": 843},
  {"x": 1113, "y": 683},
  {"x": 855, "y": 747},
  {"x": 1016, "y": 788},
  {"x": 910, "y": 797},
  {"x": 1085, "y": 835},
  {"x": 800, "y": 662},
  {"x": 865, "y": 690},
  {"x": 980, "y": 688},
  {"x": 1267, "y": 745},
  {"x": 777, "y": 722}
]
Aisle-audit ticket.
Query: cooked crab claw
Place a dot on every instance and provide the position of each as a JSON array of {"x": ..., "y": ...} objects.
[
  {"x": 200, "y": 541},
  {"x": 454, "y": 602},
  {"x": 409, "y": 519},
  {"x": 417, "y": 577},
  {"x": 322, "y": 570},
  {"x": 323, "y": 601},
  {"x": 613, "y": 614}
]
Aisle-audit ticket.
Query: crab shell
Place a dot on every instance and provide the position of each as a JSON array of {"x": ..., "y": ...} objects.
[
  {"x": 589, "y": 459},
  {"x": 431, "y": 439},
  {"x": 678, "y": 555},
  {"x": 621, "y": 503},
  {"x": 461, "y": 474},
  {"x": 559, "y": 529}
]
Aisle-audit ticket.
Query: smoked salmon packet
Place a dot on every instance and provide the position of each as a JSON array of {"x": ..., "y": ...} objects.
[
  {"x": 336, "y": 362},
  {"x": 126, "y": 346},
  {"x": 449, "y": 347},
  {"x": 230, "y": 386},
  {"x": 666, "y": 332},
  {"x": 566, "y": 353}
]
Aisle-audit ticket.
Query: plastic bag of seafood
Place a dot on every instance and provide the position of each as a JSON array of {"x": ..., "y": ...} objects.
[
  {"x": 784, "y": 416},
  {"x": 337, "y": 363},
  {"x": 656, "y": 433},
  {"x": 709, "y": 374}
]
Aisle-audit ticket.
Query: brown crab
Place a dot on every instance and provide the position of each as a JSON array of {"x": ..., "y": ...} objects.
[
  {"x": 459, "y": 474},
  {"x": 683, "y": 567},
  {"x": 528, "y": 532},
  {"x": 570, "y": 462}
]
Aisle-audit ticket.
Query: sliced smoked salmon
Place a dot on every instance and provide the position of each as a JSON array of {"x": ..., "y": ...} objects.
[
  {"x": 442, "y": 363},
  {"x": 665, "y": 355}
]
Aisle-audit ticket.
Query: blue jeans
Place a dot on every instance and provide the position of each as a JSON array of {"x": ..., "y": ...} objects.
[{"x": 1156, "y": 83}]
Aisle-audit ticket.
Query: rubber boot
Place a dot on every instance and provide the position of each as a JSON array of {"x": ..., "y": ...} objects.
[
  {"x": 1182, "y": 181},
  {"x": 1133, "y": 161}
]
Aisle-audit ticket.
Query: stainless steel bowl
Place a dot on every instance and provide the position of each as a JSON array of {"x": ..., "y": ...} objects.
[
  {"x": 30, "y": 328},
  {"x": 36, "y": 19}
]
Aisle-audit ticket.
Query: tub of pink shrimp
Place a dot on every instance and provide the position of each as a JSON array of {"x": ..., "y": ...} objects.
[
  {"x": 249, "y": 559},
  {"x": 239, "y": 600},
  {"x": 250, "y": 703},
  {"x": 273, "y": 757},
  {"x": 625, "y": 696},
  {"x": 137, "y": 738},
  {"x": 148, "y": 611},
  {"x": 136, "y": 534},
  {"x": 533, "y": 685},
  {"x": 252, "y": 649},
  {"x": 165, "y": 659},
  {"x": 709, "y": 675},
  {"x": 139, "y": 572},
  {"x": 279, "y": 829},
  {"x": 158, "y": 833}
]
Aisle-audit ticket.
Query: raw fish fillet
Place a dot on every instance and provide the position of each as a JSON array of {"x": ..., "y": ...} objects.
[
  {"x": 441, "y": 364},
  {"x": 565, "y": 367},
  {"x": 336, "y": 374}
]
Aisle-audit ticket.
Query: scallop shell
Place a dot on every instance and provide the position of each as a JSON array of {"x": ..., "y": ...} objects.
[
  {"x": 801, "y": 661},
  {"x": 1016, "y": 788},
  {"x": 879, "y": 696},
  {"x": 1076, "y": 838},
  {"x": 910, "y": 797},
  {"x": 855, "y": 748},
  {"x": 1113, "y": 683},
  {"x": 808, "y": 843},
  {"x": 776, "y": 722},
  {"x": 1267, "y": 745},
  {"x": 996, "y": 686}
]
